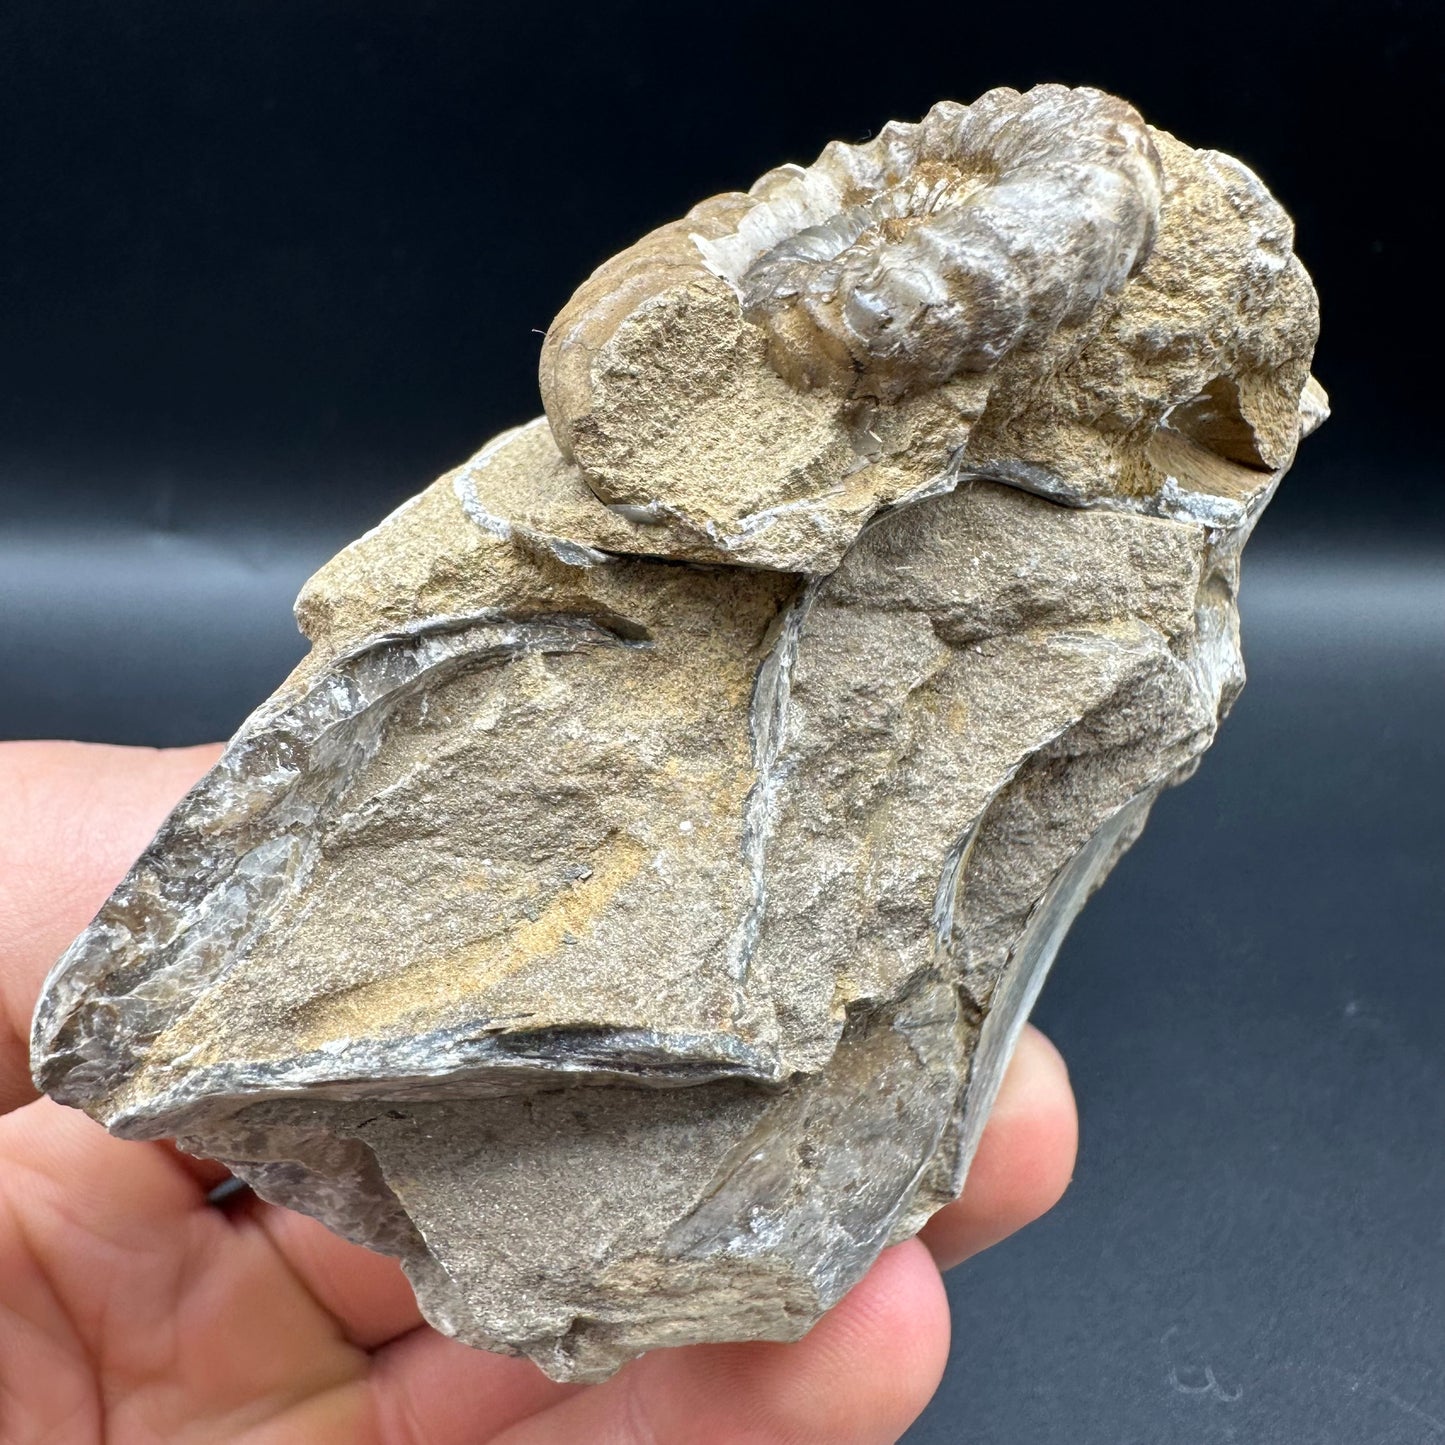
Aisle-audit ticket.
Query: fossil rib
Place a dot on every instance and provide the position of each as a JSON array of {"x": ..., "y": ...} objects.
[{"x": 939, "y": 247}]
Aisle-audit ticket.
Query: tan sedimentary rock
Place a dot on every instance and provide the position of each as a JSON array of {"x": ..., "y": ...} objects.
[{"x": 625, "y": 912}]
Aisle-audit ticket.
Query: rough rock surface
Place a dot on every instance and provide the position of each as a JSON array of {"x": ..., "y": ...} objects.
[{"x": 625, "y": 912}]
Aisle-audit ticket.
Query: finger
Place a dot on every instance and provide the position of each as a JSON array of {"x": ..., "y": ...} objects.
[
  {"x": 367, "y": 1294},
  {"x": 1025, "y": 1158},
  {"x": 192, "y": 1318},
  {"x": 859, "y": 1377},
  {"x": 60, "y": 1156},
  {"x": 73, "y": 817},
  {"x": 429, "y": 1390}
]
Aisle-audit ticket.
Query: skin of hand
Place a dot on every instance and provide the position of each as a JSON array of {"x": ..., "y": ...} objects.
[{"x": 132, "y": 1310}]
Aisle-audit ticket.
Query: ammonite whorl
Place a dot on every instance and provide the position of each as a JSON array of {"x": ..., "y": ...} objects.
[{"x": 939, "y": 247}]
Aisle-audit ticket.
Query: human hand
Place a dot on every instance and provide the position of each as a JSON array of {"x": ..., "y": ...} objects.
[{"x": 132, "y": 1310}]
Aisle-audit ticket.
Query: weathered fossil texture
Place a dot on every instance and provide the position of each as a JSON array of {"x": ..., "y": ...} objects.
[{"x": 625, "y": 912}]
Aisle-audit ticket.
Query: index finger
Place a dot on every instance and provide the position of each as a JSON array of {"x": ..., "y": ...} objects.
[{"x": 73, "y": 818}]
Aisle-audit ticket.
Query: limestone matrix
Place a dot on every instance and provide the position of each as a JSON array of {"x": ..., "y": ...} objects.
[{"x": 626, "y": 911}]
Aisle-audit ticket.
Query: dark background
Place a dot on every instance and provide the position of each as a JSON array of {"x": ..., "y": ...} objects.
[{"x": 267, "y": 268}]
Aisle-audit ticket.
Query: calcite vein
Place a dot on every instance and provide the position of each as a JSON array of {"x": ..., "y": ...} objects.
[{"x": 625, "y": 912}]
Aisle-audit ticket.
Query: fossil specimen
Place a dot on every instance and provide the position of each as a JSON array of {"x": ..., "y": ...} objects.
[{"x": 625, "y": 912}]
